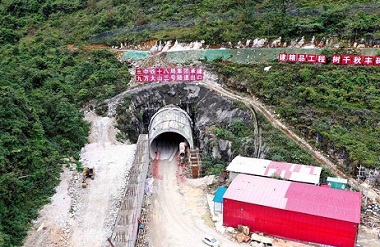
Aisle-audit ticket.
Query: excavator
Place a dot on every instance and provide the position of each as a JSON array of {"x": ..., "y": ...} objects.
[{"x": 88, "y": 172}]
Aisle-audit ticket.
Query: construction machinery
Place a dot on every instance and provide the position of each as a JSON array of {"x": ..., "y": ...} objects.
[{"x": 88, "y": 172}]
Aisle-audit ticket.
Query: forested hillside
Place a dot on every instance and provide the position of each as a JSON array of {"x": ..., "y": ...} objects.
[
  {"x": 45, "y": 80},
  {"x": 336, "y": 108}
]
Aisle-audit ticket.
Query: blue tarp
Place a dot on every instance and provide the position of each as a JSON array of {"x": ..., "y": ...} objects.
[{"x": 219, "y": 194}]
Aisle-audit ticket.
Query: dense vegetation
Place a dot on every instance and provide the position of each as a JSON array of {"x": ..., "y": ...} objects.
[
  {"x": 336, "y": 108},
  {"x": 45, "y": 81},
  {"x": 43, "y": 85},
  {"x": 232, "y": 20}
]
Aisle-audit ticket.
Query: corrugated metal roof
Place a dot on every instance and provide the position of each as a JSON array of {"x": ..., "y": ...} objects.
[
  {"x": 336, "y": 204},
  {"x": 337, "y": 180},
  {"x": 296, "y": 197},
  {"x": 248, "y": 165},
  {"x": 258, "y": 190},
  {"x": 219, "y": 194},
  {"x": 268, "y": 168}
]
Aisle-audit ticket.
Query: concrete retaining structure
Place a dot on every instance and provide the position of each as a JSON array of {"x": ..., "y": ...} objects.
[{"x": 126, "y": 226}]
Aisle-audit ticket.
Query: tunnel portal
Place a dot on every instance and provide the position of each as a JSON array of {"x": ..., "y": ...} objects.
[{"x": 171, "y": 125}]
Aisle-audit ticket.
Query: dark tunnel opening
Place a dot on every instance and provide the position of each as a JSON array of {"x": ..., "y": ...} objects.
[{"x": 167, "y": 144}]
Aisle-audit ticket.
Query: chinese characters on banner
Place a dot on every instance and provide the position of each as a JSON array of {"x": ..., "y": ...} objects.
[
  {"x": 335, "y": 59},
  {"x": 355, "y": 60},
  {"x": 168, "y": 74},
  {"x": 302, "y": 58}
]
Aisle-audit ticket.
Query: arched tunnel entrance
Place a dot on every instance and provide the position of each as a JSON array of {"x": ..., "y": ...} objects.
[{"x": 168, "y": 127}]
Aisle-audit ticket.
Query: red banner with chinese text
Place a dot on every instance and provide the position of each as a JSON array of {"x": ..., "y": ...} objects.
[
  {"x": 302, "y": 58},
  {"x": 163, "y": 74},
  {"x": 335, "y": 59}
]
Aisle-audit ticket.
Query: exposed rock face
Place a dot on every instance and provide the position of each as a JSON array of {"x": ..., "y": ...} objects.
[
  {"x": 205, "y": 107},
  {"x": 222, "y": 150}
]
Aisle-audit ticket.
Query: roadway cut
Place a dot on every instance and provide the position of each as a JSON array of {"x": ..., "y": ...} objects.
[{"x": 170, "y": 125}]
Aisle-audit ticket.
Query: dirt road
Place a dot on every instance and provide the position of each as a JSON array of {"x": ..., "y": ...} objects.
[
  {"x": 260, "y": 107},
  {"x": 85, "y": 216},
  {"x": 179, "y": 213},
  {"x": 210, "y": 82}
]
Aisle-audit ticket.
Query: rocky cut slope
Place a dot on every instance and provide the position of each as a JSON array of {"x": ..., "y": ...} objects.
[{"x": 134, "y": 108}]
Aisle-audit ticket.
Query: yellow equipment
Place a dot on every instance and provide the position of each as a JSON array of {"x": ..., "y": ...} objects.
[{"x": 87, "y": 173}]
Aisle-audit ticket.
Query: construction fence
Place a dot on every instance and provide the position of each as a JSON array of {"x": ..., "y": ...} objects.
[
  {"x": 127, "y": 222},
  {"x": 242, "y": 56}
]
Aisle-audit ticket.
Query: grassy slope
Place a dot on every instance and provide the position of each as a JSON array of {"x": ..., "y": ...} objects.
[
  {"x": 336, "y": 108},
  {"x": 43, "y": 84}
]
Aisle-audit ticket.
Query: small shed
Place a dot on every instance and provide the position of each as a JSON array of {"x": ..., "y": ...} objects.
[
  {"x": 292, "y": 210},
  {"x": 218, "y": 199},
  {"x": 269, "y": 168},
  {"x": 337, "y": 183}
]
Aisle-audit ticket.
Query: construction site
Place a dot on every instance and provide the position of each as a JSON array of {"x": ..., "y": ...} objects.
[{"x": 154, "y": 192}]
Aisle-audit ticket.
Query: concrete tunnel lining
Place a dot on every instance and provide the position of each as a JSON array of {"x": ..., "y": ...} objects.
[{"x": 171, "y": 119}]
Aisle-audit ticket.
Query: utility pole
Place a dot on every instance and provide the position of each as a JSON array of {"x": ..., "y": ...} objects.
[
  {"x": 360, "y": 173},
  {"x": 360, "y": 176}
]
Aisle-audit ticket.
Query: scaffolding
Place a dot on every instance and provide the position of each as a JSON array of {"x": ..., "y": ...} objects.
[
  {"x": 195, "y": 162},
  {"x": 127, "y": 222}
]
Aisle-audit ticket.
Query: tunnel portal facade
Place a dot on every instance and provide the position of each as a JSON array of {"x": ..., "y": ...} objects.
[{"x": 170, "y": 121}]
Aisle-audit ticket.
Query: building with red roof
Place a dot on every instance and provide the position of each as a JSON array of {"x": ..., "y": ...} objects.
[{"x": 293, "y": 210}]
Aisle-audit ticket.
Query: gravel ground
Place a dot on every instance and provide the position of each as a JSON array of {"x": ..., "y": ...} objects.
[{"x": 85, "y": 216}]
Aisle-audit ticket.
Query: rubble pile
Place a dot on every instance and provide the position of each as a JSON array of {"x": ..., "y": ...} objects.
[
  {"x": 143, "y": 227},
  {"x": 243, "y": 234},
  {"x": 371, "y": 214},
  {"x": 116, "y": 202},
  {"x": 74, "y": 186},
  {"x": 73, "y": 191}
]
